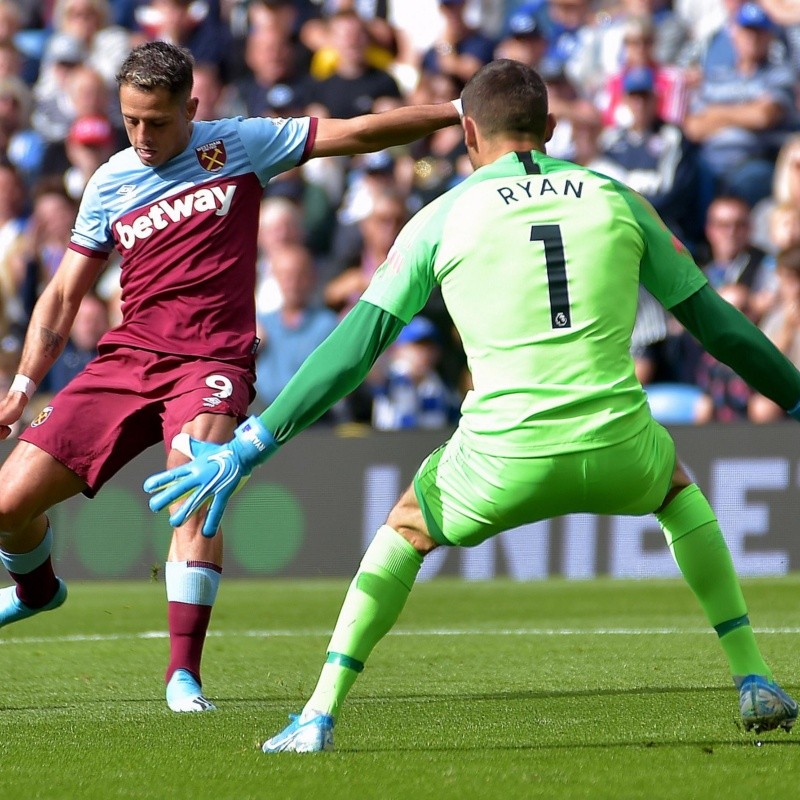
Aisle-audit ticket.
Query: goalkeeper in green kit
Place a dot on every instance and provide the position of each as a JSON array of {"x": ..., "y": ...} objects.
[{"x": 539, "y": 262}]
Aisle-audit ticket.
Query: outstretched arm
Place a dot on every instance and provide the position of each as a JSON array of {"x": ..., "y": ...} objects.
[
  {"x": 370, "y": 132},
  {"x": 733, "y": 339}
]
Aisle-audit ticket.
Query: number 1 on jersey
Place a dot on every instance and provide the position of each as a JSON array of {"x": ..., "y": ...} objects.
[{"x": 550, "y": 236}]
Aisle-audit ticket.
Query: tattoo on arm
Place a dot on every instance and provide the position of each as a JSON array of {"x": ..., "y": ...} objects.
[{"x": 52, "y": 342}]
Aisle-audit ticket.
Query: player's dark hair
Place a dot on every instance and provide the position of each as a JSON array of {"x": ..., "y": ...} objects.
[
  {"x": 506, "y": 96},
  {"x": 158, "y": 64}
]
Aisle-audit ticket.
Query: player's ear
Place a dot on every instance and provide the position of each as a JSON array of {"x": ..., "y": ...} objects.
[
  {"x": 549, "y": 127},
  {"x": 470, "y": 133},
  {"x": 191, "y": 108}
]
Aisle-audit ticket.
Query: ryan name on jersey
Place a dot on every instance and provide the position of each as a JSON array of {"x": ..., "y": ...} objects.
[{"x": 533, "y": 188}]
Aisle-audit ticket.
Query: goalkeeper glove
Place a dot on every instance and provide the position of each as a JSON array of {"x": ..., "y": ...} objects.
[{"x": 215, "y": 472}]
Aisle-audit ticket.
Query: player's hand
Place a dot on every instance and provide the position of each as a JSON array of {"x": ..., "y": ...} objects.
[
  {"x": 213, "y": 474},
  {"x": 12, "y": 407}
]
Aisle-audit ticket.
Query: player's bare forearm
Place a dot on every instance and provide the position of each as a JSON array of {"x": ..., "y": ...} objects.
[
  {"x": 370, "y": 132},
  {"x": 55, "y": 312}
]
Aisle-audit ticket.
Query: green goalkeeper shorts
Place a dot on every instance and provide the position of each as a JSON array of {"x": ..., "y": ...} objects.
[{"x": 467, "y": 497}]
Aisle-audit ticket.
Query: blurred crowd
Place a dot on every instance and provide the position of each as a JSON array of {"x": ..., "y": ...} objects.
[{"x": 693, "y": 104}]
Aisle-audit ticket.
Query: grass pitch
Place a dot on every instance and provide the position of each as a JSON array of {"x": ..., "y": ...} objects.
[{"x": 601, "y": 689}]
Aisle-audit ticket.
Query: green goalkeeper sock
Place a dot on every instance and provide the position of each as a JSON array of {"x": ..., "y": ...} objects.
[
  {"x": 371, "y": 607},
  {"x": 699, "y": 549}
]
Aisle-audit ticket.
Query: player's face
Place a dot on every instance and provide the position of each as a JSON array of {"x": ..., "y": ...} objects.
[{"x": 158, "y": 124}]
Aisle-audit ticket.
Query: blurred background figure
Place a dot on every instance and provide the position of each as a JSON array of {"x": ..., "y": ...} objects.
[
  {"x": 652, "y": 156},
  {"x": 782, "y": 326},
  {"x": 731, "y": 257},
  {"x": 460, "y": 50},
  {"x": 413, "y": 394},
  {"x": 91, "y": 322},
  {"x": 741, "y": 114},
  {"x": 193, "y": 25},
  {"x": 638, "y": 51},
  {"x": 290, "y": 333},
  {"x": 379, "y": 229},
  {"x": 354, "y": 85},
  {"x": 88, "y": 23}
]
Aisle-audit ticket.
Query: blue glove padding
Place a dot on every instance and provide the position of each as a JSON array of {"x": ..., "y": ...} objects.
[
  {"x": 794, "y": 413},
  {"x": 215, "y": 472}
]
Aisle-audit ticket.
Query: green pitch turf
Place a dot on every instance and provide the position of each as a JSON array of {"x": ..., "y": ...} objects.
[{"x": 595, "y": 689}]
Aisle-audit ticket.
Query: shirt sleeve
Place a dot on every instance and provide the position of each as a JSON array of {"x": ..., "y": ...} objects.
[
  {"x": 404, "y": 282},
  {"x": 275, "y": 145},
  {"x": 734, "y": 340},
  {"x": 91, "y": 235},
  {"x": 667, "y": 270}
]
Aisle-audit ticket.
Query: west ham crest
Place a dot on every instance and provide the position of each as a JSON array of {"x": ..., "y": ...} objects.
[{"x": 212, "y": 155}]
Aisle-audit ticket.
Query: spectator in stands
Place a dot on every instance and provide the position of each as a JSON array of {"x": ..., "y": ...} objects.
[
  {"x": 786, "y": 13},
  {"x": 280, "y": 225},
  {"x": 91, "y": 322},
  {"x": 732, "y": 259},
  {"x": 91, "y": 142},
  {"x": 784, "y": 233},
  {"x": 785, "y": 189},
  {"x": 35, "y": 255},
  {"x": 651, "y": 156},
  {"x": 577, "y": 118},
  {"x": 524, "y": 40},
  {"x": 213, "y": 99},
  {"x": 741, "y": 115},
  {"x": 19, "y": 143},
  {"x": 381, "y": 46},
  {"x": 460, "y": 50},
  {"x": 195, "y": 26},
  {"x": 413, "y": 394},
  {"x": 16, "y": 62},
  {"x": 86, "y": 96},
  {"x": 371, "y": 175},
  {"x": 289, "y": 333},
  {"x": 12, "y": 213},
  {"x": 439, "y": 161},
  {"x": 638, "y": 51},
  {"x": 54, "y": 113},
  {"x": 564, "y": 24},
  {"x": 782, "y": 326},
  {"x": 602, "y": 48},
  {"x": 355, "y": 85},
  {"x": 273, "y": 74},
  {"x": 378, "y": 230},
  {"x": 730, "y": 395},
  {"x": 88, "y": 22}
]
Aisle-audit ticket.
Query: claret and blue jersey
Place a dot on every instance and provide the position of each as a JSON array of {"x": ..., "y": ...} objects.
[{"x": 186, "y": 232}]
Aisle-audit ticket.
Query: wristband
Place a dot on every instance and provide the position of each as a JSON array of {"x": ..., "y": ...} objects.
[
  {"x": 795, "y": 411},
  {"x": 255, "y": 443},
  {"x": 23, "y": 384},
  {"x": 458, "y": 107}
]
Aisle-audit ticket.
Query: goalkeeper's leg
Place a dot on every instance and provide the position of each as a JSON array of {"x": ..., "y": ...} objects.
[
  {"x": 694, "y": 537},
  {"x": 372, "y": 605}
]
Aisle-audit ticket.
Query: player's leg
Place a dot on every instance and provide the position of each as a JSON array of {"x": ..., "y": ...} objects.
[
  {"x": 373, "y": 603},
  {"x": 192, "y": 576},
  {"x": 453, "y": 483},
  {"x": 31, "y": 481},
  {"x": 700, "y": 551},
  {"x": 204, "y": 399}
]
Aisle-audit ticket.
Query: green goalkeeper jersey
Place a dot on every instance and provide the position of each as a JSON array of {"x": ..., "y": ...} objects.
[{"x": 539, "y": 261}]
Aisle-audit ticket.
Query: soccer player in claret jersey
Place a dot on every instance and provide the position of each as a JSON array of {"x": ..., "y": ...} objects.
[
  {"x": 539, "y": 261},
  {"x": 181, "y": 206}
]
